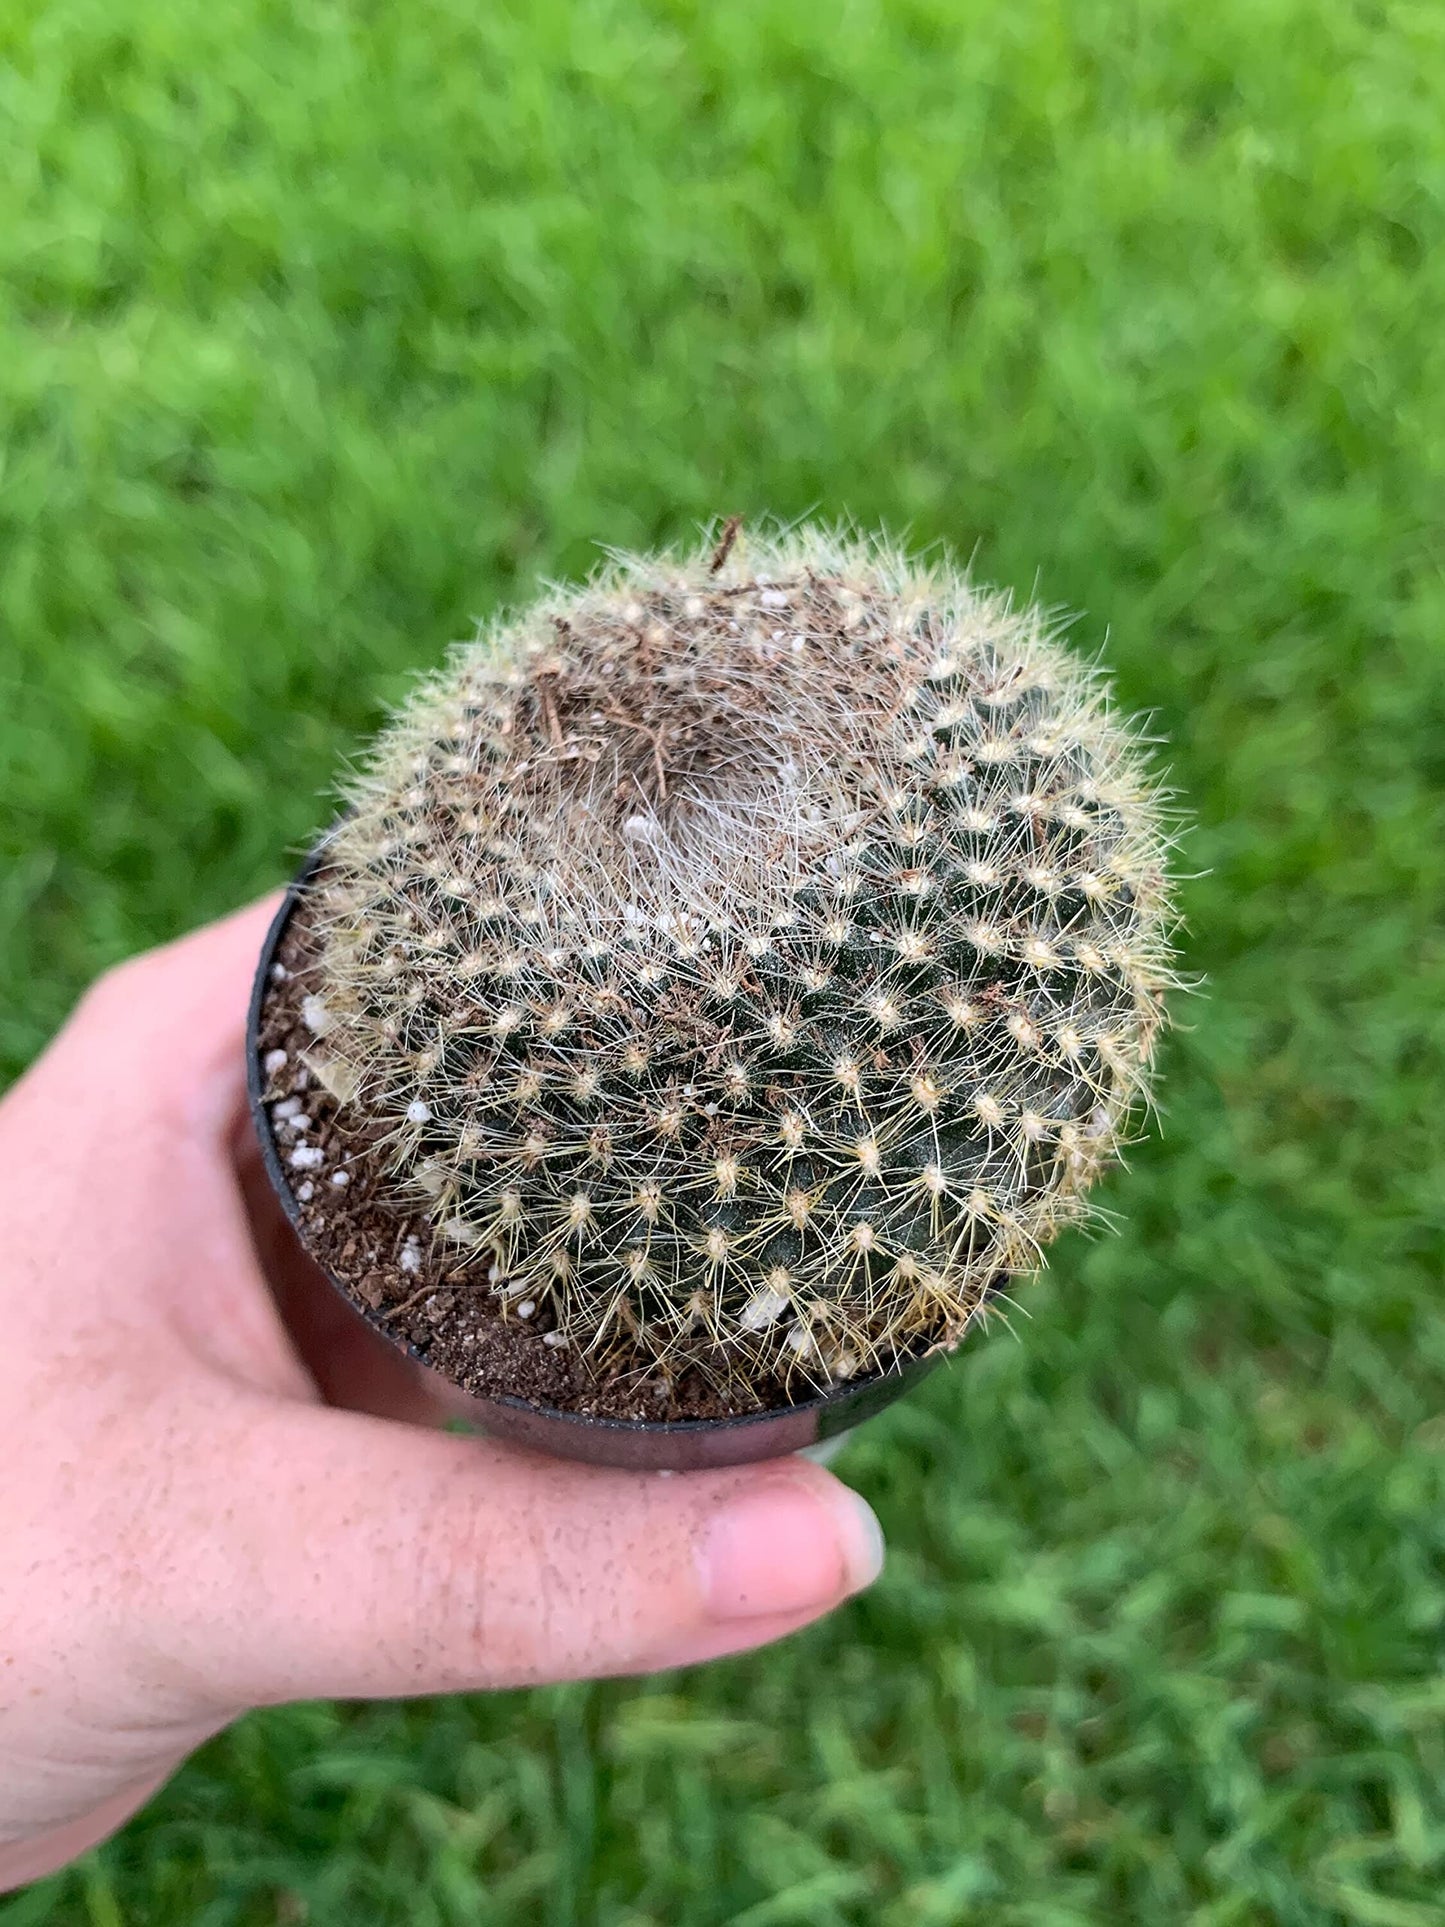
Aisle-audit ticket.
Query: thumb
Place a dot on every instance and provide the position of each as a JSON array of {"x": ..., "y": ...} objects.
[{"x": 360, "y": 1558}]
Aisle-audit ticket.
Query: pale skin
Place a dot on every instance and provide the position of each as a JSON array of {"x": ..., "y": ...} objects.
[{"x": 189, "y": 1532}]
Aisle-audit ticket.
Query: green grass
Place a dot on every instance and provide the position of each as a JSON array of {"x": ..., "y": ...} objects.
[{"x": 326, "y": 328}]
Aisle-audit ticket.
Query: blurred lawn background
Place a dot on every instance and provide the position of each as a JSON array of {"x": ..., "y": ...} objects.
[{"x": 325, "y": 329}]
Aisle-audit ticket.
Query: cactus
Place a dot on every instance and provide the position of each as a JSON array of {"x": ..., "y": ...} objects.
[{"x": 750, "y": 958}]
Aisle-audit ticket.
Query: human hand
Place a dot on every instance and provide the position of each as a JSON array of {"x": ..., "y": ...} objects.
[{"x": 188, "y": 1531}]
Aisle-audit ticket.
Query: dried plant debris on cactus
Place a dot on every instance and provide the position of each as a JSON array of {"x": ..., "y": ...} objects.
[{"x": 748, "y": 960}]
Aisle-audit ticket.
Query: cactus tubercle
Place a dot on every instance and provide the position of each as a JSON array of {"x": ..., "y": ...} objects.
[{"x": 755, "y": 955}]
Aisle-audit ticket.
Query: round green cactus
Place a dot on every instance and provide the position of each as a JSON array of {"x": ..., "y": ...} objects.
[{"x": 752, "y": 957}]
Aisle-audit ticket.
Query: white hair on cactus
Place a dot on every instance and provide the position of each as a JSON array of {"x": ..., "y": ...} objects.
[{"x": 677, "y": 888}]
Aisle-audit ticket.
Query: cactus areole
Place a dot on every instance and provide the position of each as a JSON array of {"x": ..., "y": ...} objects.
[{"x": 743, "y": 965}]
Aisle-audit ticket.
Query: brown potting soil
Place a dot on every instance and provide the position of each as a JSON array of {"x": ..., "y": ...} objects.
[{"x": 381, "y": 1251}]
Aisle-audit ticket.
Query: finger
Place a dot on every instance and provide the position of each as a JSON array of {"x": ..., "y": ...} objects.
[
  {"x": 153, "y": 1055},
  {"x": 173, "y": 1019},
  {"x": 353, "y": 1557},
  {"x": 27, "y": 1860},
  {"x": 141, "y": 1096},
  {"x": 145, "y": 1085}
]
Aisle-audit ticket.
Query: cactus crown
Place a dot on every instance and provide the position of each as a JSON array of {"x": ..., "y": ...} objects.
[{"x": 752, "y": 956}]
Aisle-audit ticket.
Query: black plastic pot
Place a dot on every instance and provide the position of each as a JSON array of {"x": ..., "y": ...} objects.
[{"x": 359, "y": 1363}]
